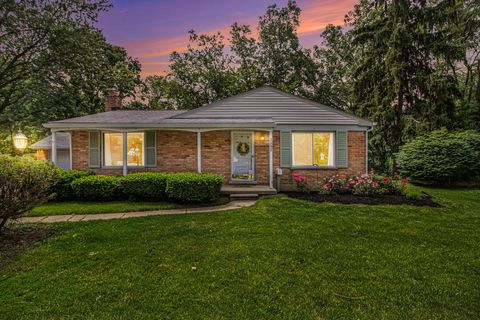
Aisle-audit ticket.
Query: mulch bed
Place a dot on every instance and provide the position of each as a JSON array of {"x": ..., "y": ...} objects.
[
  {"x": 14, "y": 239},
  {"x": 426, "y": 200}
]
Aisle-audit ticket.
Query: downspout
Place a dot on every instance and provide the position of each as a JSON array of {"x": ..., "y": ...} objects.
[
  {"x": 366, "y": 148},
  {"x": 54, "y": 147},
  {"x": 270, "y": 158},
  {"x": 199, "y": 151},
  {"x": 125, "y": 156}
]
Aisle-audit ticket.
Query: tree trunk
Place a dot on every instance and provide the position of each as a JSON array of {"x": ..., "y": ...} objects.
[{"x": 2, "y": 223}]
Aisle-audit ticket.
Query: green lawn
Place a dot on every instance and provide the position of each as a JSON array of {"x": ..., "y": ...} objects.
[
  {"x": 80, "y": 207},
  {"x": 280, "y": 259}
]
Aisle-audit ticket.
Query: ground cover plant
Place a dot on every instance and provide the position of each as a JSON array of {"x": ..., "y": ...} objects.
[{"x": 280, "y": 259}]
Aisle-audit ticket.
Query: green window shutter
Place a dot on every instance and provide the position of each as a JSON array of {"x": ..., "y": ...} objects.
[
  {"x": 342, "y": 149},
  {"x": 94, "y": 149},
  {"x": 151, "y": 148},
  {"x": 285, "y": 149}
]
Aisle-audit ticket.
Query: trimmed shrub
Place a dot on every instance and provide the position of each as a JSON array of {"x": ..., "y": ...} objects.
[
  {"x": 193, "y": 187},
  {"x": 24, "y": 184},
  {"x": 95, "y": 188},
  {"x": 62, "y": 186},
  {"x": 145, "y": 186},
  {"x": 441, "y": 157}
]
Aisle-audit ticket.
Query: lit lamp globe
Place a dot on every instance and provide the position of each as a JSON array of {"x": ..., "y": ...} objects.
[{"x": 20, "y": 141}]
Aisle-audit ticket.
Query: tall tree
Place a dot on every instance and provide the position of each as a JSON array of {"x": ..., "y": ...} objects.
[
  {"x": 63, "y": 74},
  {"x": 26, "y": 29},
  {"x": 335, "y": 58},
  {"x": 282, "y": 61},
  {"x": 398, "y": 81}
]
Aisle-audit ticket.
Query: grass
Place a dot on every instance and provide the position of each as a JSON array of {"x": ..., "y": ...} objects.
[
  {"x": 280, "y": 259},
  {"x": 81, "y": 207}
]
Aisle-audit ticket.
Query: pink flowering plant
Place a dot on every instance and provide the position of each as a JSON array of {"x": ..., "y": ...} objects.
[
  {"x": 336, "y": 184},
  {"x": 301, "y": 182},
  {"x": 365, "y": 185}
]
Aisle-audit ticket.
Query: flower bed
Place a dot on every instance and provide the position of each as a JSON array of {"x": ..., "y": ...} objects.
[
  {"x": 365, "y": 189},
  {"x": 424, "y": 200}
]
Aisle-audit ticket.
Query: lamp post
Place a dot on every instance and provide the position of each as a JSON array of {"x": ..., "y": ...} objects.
[{"x": 20, "y": 141}]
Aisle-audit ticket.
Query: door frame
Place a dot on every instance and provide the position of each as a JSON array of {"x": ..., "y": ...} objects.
[{"x": 252, "y": 156}]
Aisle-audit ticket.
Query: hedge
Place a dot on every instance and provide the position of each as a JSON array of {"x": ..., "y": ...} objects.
[
  {"x": 193, "y": 187},
  {"x": 62, "y": 186},
  {"x": 148, "y": 186},
  {"x": 441, "y": 157},
  {"x": 95, "y": 188}
]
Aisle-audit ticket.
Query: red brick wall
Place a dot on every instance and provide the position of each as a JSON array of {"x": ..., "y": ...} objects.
[
  {"x": 216, "y": 153},
  {"x": 261, "y": 157},
  {"x": 177, "y": 151},
  {"x": 356, "y": 163}
]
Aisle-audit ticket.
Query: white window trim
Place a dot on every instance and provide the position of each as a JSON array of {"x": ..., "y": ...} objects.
[
  {"x": 121, "y": 167},
  {"x": 334, "y": 166}
]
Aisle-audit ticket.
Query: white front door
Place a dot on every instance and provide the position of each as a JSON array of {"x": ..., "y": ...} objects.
[{"x": 242, "y": 156}]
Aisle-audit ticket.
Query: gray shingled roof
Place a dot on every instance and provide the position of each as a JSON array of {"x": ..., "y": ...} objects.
[
  {"x": 261, "y": 107},
  {"x": 282, "y": 107},
  {"x": 63, "y": 142},
  {"x": 124, "y": 116}
]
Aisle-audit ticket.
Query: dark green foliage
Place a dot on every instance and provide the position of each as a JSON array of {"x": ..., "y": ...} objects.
[
  {"x": 145, "y": 186},
  {"x": 63, "y": 183},
  {"x": 442, "y": 157},
  {"x": 24, "y": 184},
  {"x": 92, "y": 188},
  {"x": 193, "y": 187},
  {"x": 54, "y": 64}
]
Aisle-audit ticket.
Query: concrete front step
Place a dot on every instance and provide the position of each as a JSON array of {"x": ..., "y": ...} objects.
[
  {"x": 247, "y": 189},
  {"x": 243, "y": 196}
]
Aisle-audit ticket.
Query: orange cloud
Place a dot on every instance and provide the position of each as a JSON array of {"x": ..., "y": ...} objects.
[{"x": 316, "y": 15}]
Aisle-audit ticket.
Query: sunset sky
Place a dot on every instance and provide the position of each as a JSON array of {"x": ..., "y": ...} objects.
[{"x": 150, "y": 30}]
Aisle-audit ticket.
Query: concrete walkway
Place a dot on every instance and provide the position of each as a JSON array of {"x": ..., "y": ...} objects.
[{"x": 122, "y": 215}]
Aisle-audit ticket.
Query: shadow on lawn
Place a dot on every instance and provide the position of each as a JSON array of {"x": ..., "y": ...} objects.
[{"x": 16, "y": 238}]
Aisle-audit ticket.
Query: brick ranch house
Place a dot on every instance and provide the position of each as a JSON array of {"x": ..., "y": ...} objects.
[{"x": 260, "y": 138}]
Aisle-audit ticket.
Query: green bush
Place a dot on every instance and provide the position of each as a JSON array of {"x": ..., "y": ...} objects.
[
  {"x": 24, "y": 184},
  {"x": 441, "y": 157},
  {"x": 148, "y": 186},
  {"x": 193, "y": 187},
  {"x": 95, "y": 188},
  {"x": 63, "y": 183}
]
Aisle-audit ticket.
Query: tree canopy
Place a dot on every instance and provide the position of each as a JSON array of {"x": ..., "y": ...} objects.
[
  {"x": 55, "y": 64},
  {"x": 410, "y": 66}
]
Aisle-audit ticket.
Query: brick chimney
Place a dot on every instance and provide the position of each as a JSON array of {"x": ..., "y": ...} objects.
[{"x": 113, "y": 101}]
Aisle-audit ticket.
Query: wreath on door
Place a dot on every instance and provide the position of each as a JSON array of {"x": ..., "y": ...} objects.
[{"x": 243, "y": 148}]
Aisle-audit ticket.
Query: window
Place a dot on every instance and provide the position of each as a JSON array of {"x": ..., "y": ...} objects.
[
  {"x": 113, "y": 149},
  {"x": 313, "y": 148}
]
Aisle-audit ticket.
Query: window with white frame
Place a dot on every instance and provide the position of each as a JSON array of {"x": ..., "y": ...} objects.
[
  {"x": 113, "y": 149},
  {"x": 313, "y": 149}
]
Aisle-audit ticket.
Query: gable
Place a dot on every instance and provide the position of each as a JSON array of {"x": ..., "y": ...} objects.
[{"x": 283, "y": 108}]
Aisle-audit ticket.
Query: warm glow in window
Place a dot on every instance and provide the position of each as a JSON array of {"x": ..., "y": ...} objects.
[
  {"x": 113, "y": 147},
  {"x": 135, "y": 149},
  {"x": 313, "y": 148}
]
